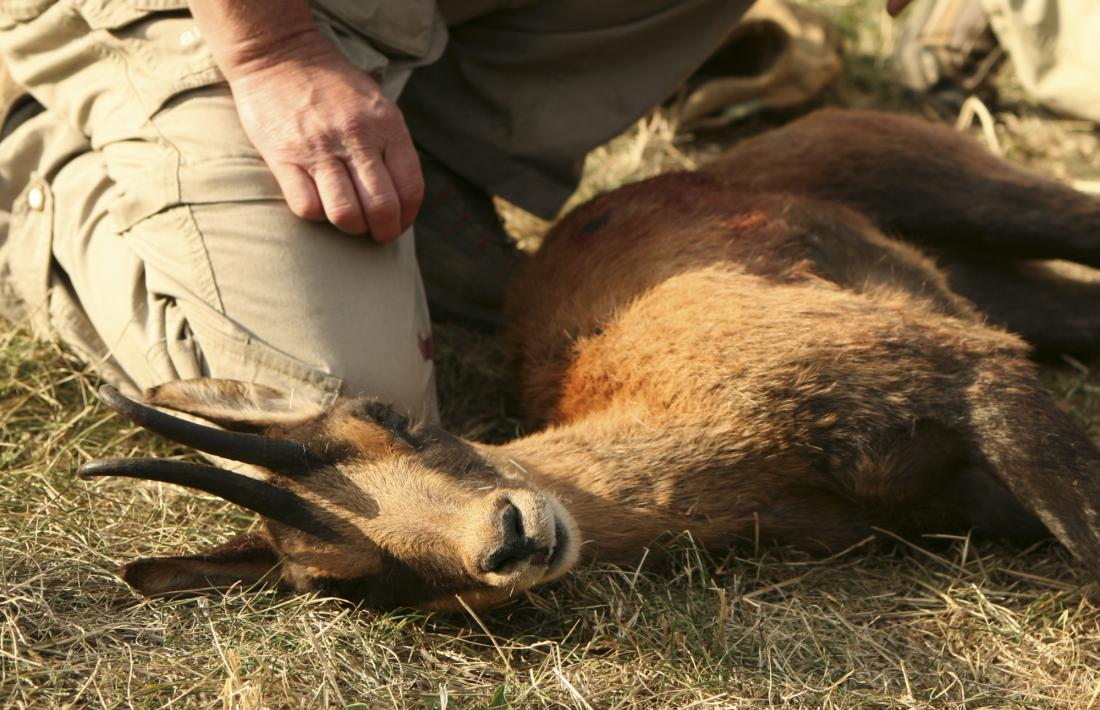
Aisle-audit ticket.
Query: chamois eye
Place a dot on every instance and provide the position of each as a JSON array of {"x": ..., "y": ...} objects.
[{"x": 386, "y": 417}]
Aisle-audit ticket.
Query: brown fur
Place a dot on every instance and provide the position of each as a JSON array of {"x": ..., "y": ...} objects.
[{"x": 741, "y": 353}]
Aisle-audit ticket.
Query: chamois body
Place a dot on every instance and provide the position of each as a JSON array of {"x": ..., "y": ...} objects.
[
  {"x": 741, "y": 353},
  {"x": 739, "y": 392}
]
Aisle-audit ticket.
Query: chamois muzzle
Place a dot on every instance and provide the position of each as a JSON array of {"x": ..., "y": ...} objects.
[
  {"x": 524, "y": 539},
  {"x": 515, "y": 546}
]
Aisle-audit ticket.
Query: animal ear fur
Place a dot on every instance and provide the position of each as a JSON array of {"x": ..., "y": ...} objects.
[
  {"x": 235, "y": 405},
  {"x": 245, "y": 560},
  {"x": 384, "y": 416}
]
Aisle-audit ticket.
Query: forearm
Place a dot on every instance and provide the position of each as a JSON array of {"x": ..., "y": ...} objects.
[{"x": 246, "y": 35}]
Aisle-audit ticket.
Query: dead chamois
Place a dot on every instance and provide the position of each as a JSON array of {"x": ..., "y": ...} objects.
[{"x": 736, "y": 352}]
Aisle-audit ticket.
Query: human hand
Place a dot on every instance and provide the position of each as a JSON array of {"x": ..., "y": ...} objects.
[{"x": 337, "y": 146}]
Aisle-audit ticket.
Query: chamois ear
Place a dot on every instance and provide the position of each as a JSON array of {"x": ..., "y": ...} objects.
[
  {"x": 385, "y": 416},
  {"x": 234, "y": 405},
  {"x": 245, "y": 560}
]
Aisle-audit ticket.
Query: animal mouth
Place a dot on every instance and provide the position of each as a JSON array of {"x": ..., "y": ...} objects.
[{"x": 562, "y": 544}]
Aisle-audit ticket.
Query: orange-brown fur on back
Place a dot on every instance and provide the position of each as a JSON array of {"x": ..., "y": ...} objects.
[
  {"x": 767, "y": 361},
  {"x": 747, "y": 388},
  {"x": 783, "y": 252}
]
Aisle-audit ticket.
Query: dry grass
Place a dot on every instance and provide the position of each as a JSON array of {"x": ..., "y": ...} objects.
[{"x": 962, "y": 625}]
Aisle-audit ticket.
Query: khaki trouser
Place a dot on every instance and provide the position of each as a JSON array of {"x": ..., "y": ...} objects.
[
  {"x": 1055, "y": 48},
  {"x": 139, "y": 225},
  {"x": 520, "y": 96}
]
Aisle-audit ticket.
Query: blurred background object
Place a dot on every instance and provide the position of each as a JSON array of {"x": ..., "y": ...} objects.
[
  {"x": 1054, "y": 47},
  {"x": 780, "y": 56}
]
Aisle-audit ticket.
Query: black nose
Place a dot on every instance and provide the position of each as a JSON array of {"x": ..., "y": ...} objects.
[{"x": 515, "y": 546}]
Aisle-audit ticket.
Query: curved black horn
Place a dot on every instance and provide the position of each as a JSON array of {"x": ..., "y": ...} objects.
[
  {"x": 259, "y": 496},
  {"x": 280, "y": 455}
]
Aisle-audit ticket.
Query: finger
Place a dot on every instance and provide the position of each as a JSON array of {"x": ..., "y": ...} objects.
[
  {"x": 378, "y": 197},
  {"x": 403, "y": 165},
  {"x": 299, "y": 191},
  {"x": 340, "y": 199},
  {"x": 896, "y": 6}
]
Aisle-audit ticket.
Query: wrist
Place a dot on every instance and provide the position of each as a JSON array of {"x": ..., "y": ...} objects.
[
  {"x": 303, "y": 47},
  {"x": 247, "y": 36}
]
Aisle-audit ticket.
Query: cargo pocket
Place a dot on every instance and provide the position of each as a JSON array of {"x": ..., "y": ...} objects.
[
  {"x": 13, "y": 11},
  {"x": 30, "y": 240},
  {"x": 231, "y": 352},
  {"x": 383, "y": 37},
  {"x": 196, "y": 337},
  {"x": 159, "y": 45}
]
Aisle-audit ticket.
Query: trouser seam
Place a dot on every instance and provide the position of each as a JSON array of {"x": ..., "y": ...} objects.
[{"x": 210, "y": 282}]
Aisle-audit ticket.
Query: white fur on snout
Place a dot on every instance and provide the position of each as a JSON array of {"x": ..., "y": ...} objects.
[{"x": 566, "y": 557}]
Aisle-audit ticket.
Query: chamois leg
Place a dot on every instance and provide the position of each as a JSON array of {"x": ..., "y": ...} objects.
[
  {"x": 1052, "y": 305},
  {"x": 926, "y": 477},
  {"x": 245, "y": 560},
  {"x": 922, "y": 182},
  {"x": 992, "y": 511},
  {"x": 1041, "y": 456},
  {"x": 1052, "y": 310}
]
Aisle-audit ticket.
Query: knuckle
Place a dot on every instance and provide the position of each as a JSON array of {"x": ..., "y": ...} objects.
[
  {"x": 382, "y": 107},
  {"x": 391, "y": 123},
  {"x": 411, "y": 191},
  {"x": 346, "y": 218},
  {"x": 299, "y": 199},
  {"x": 383, "y": 204},
  {"x": 371, "y": 130},
  {"x": 357, "y": 125},
  {"x": 307, "y": 209},
  {"x": 319, "y": 149}
]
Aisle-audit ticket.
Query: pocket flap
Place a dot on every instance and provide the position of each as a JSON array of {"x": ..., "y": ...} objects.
[
  {"x": 158, "y": 5},
  {"x": 32, "y": 238},
  {"x": 23, "y": 10},
  {"x": 405, "y": 28}
]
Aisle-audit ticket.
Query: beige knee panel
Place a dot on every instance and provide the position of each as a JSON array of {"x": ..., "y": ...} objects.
[{"x": 139, "y": 225}]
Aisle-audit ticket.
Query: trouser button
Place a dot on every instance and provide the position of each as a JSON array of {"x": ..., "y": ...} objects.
[{"x": 36, "y": 198}]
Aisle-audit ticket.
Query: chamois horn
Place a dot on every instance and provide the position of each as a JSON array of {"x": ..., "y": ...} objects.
[
  {"x": 280, "y": 455},
  {"x": 258, "y": 496}
]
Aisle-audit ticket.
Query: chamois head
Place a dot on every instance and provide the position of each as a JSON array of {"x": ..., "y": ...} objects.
[{"x": 358, "y": 502}]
